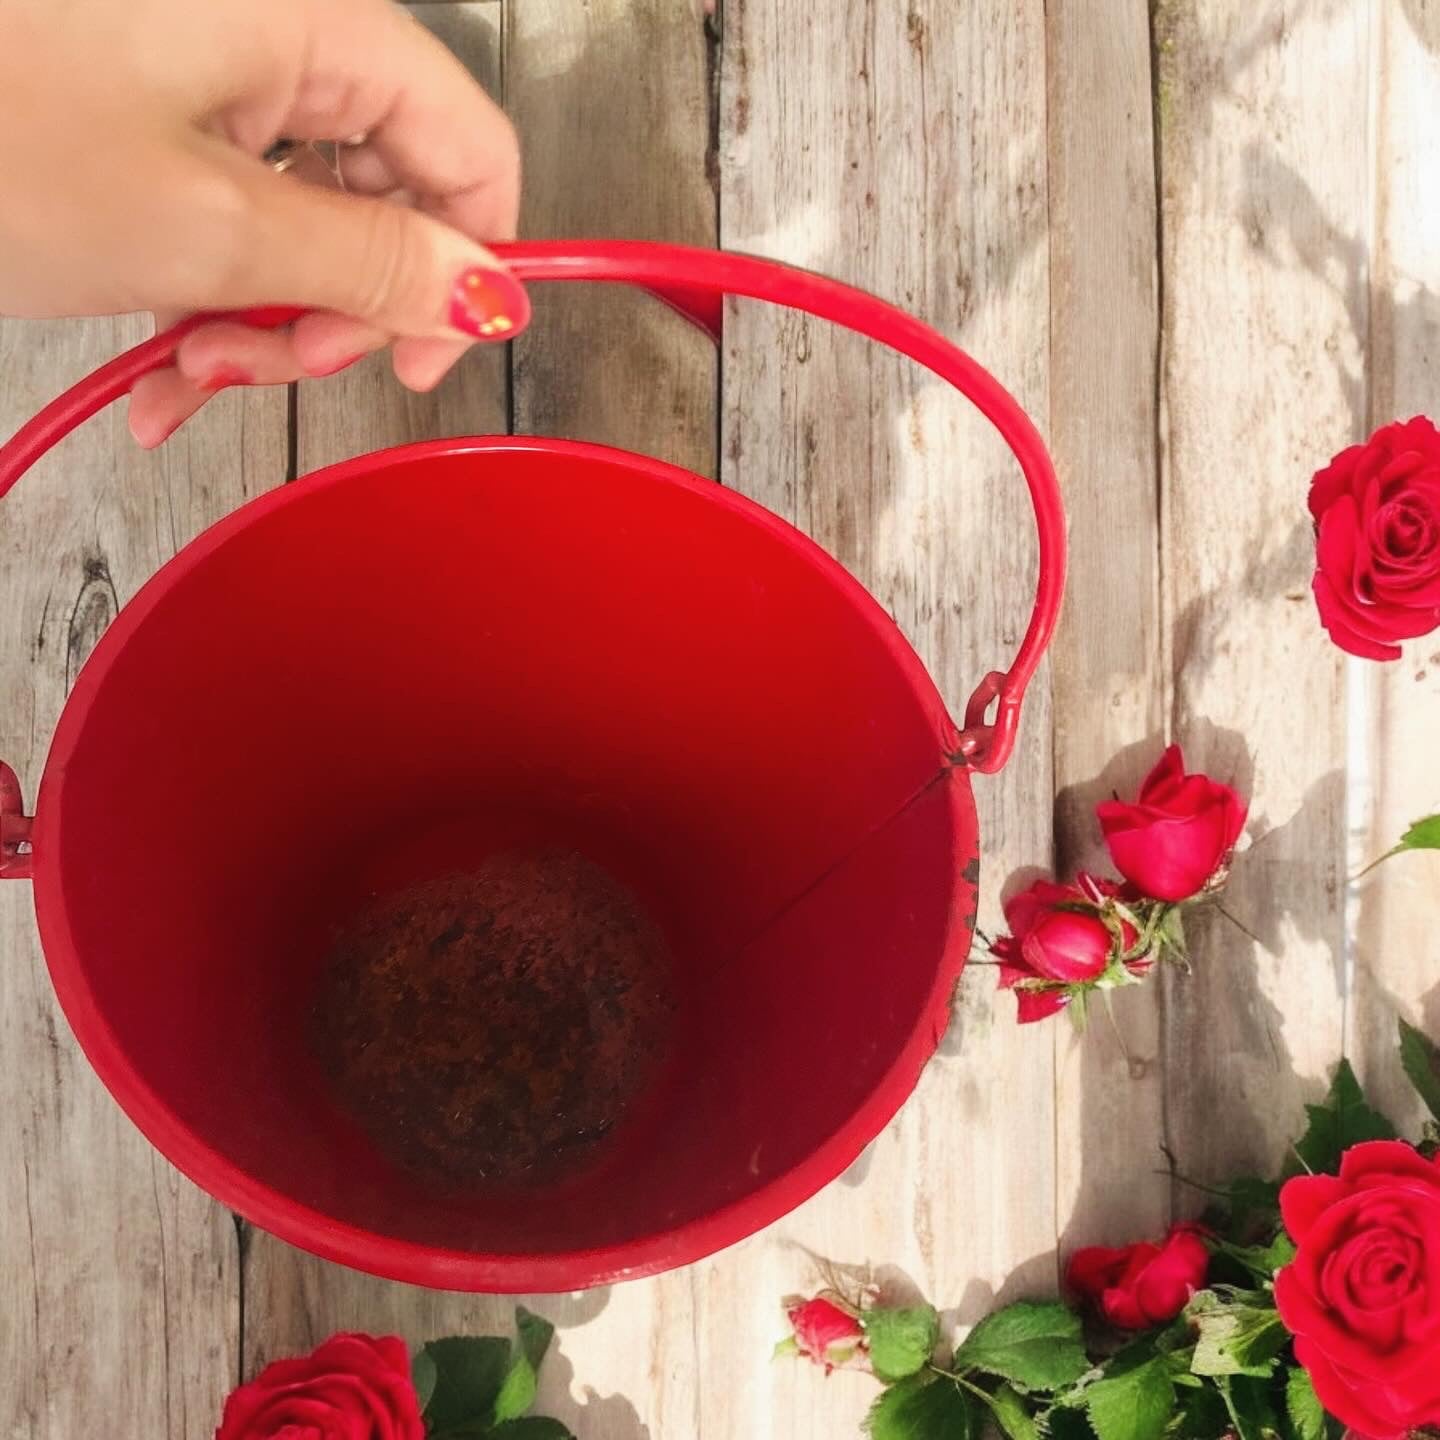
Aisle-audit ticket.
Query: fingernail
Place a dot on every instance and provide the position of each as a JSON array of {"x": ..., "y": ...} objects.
[
  {"x": 489, "y": 304},
  {"x": 337, "y": 367},
  {"x": 223, "y": 376}
]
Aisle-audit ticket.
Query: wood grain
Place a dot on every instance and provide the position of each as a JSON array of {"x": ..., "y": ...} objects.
[
  {"x": 611, "y": 99},
  {"x": 903, "y": 150},
  {"x": 1394, "y": 709},
  {"x": 1263, "y": 170},
  {"x": 607, "y": 368},
  {"x": 992, "y": 167},
  {"x": 1108, "y": 690},
  {"x": 293, "y": 1300},
  {"x": 119, "y": 1281},
  {"x": 612, "y": 102}
]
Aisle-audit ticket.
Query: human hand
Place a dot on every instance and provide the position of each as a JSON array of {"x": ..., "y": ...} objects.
[{"x": 131, "y": 147}]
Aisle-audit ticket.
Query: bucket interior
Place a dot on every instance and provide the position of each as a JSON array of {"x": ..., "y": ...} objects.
[{"x": 393, "y": 673}]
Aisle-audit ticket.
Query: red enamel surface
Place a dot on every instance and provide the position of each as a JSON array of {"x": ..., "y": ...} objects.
[
  {"x": 408, "y": 660},
  {"x": 662, "y": 675}
]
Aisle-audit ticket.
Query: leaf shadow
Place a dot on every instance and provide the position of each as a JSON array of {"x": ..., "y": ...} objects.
[
  {"x": 1424, "y": 18},
  {"x": 1239, "y": 1066},
  {"x": 1207, "y": 631},
  {"x": 1278, "y": 202},
  {"x": 1031, "y": 1279},
  {"x": 1079, "y": 844},
  {"x": 591, "y": 1416},
  {"x": 1376, "y": 1006}
]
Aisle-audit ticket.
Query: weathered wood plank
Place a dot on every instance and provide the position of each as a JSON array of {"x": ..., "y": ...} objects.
[
  {"x": 904, "y": 150},
  {"x": 1263, "y": 173},
  {"x": 611, "y": 99},
  {"x": 119, "y": 1281},
  {"x": 640, "y": 378},
  {"x": 612, "y": 103},
  {"x": 1108, "y": 690},
  {"x": 293, "y": 1300},
  {"x": 1395, "y": 952}
]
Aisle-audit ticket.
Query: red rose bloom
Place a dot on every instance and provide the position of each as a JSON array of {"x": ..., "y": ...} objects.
[
  {"x": 354, "y": 1387},
  {"x": 1056, "y": 936},
  {"x": 1362, "y": 1297},
  {"x": 1141, "y": 1285},
  {"x": 825, "y": 1333},
  {"x": 1377, "y": 547},
  {"x": 1177, "y": 835}
]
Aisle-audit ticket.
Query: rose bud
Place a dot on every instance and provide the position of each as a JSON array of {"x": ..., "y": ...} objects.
[
  {"x": 1057, "y": 940},
  {"x": 1140, "y": 1285},
  {"x": 827, "y": 1333},
  {"x": 1178, "y": 835}
]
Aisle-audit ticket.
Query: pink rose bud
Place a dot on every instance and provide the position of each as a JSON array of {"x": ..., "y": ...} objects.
[
  {"x": 1054, "y": 942},
  {"x": 1178, "y": 835},
  {"x": 1057, "y": 939},
  {"x": 826, "y": 1333}
]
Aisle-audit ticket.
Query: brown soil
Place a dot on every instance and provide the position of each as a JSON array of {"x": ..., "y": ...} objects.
[{"x": 495, "y": 1026}]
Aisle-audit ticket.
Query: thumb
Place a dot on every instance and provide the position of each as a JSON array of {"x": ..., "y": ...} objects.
[{"x": 380, "y": 261}]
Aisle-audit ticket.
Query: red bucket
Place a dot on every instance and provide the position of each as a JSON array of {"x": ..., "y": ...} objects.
[{"x": 397, "y": 666}]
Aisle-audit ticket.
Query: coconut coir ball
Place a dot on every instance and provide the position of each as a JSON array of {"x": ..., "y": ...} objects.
[{"x": 495, "y": 1026}]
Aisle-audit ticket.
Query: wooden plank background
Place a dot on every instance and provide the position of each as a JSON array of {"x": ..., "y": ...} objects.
[{"x": 1200, "y": 242}]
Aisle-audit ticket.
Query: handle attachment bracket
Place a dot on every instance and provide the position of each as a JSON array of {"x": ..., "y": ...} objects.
[{"x": 15, "y": 859}]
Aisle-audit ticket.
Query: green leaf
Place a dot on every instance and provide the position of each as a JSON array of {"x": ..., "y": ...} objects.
[
  {"x": 1421, "y": 1058},
  {"x": 1134, "y": 1405},
  {"x": 1342, "y": 1121},
  {"x": 1034, "y": 1346},
  {"x": 1253, "y": 1204},
  {"x": 469, "y": 1372},
  {"x": 1170, "y": 932},
  {"x": 1013, "y": 1415},
  {"x": 924, "y": 1408},
  {"x": 517, "y": 1394},
  {"x": 901, "y": 1339},
  {"x": 1203, "y": 1414},
  {"x": 788, "y": 1346},
  {"x": 1177, "y": 1362},
  {"x": 1234, "y": 1337},
  {"x": 1422, "y": 835},
  {"x": 536, "y": 1332},
  {"x": 1250, "y": 1410},
  {"x": 531, "y": 1427},
  {"x": 1262, "y": 1261},
  {"x": 1067, "y": 1425},
  {"x": 1174, "y": 1336},
  {"x": 1307, "y": 1415},
  {"x": 424, "y": 1375}
]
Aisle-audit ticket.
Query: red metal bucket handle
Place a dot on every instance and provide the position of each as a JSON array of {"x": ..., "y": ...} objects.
[{"x": 694, "y": 282}]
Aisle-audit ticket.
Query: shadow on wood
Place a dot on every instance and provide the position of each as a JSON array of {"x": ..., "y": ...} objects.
[{"x": 592, "y": 1417}]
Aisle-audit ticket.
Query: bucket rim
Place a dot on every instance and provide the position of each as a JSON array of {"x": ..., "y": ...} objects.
[{"x": 389, "y": 1256}]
